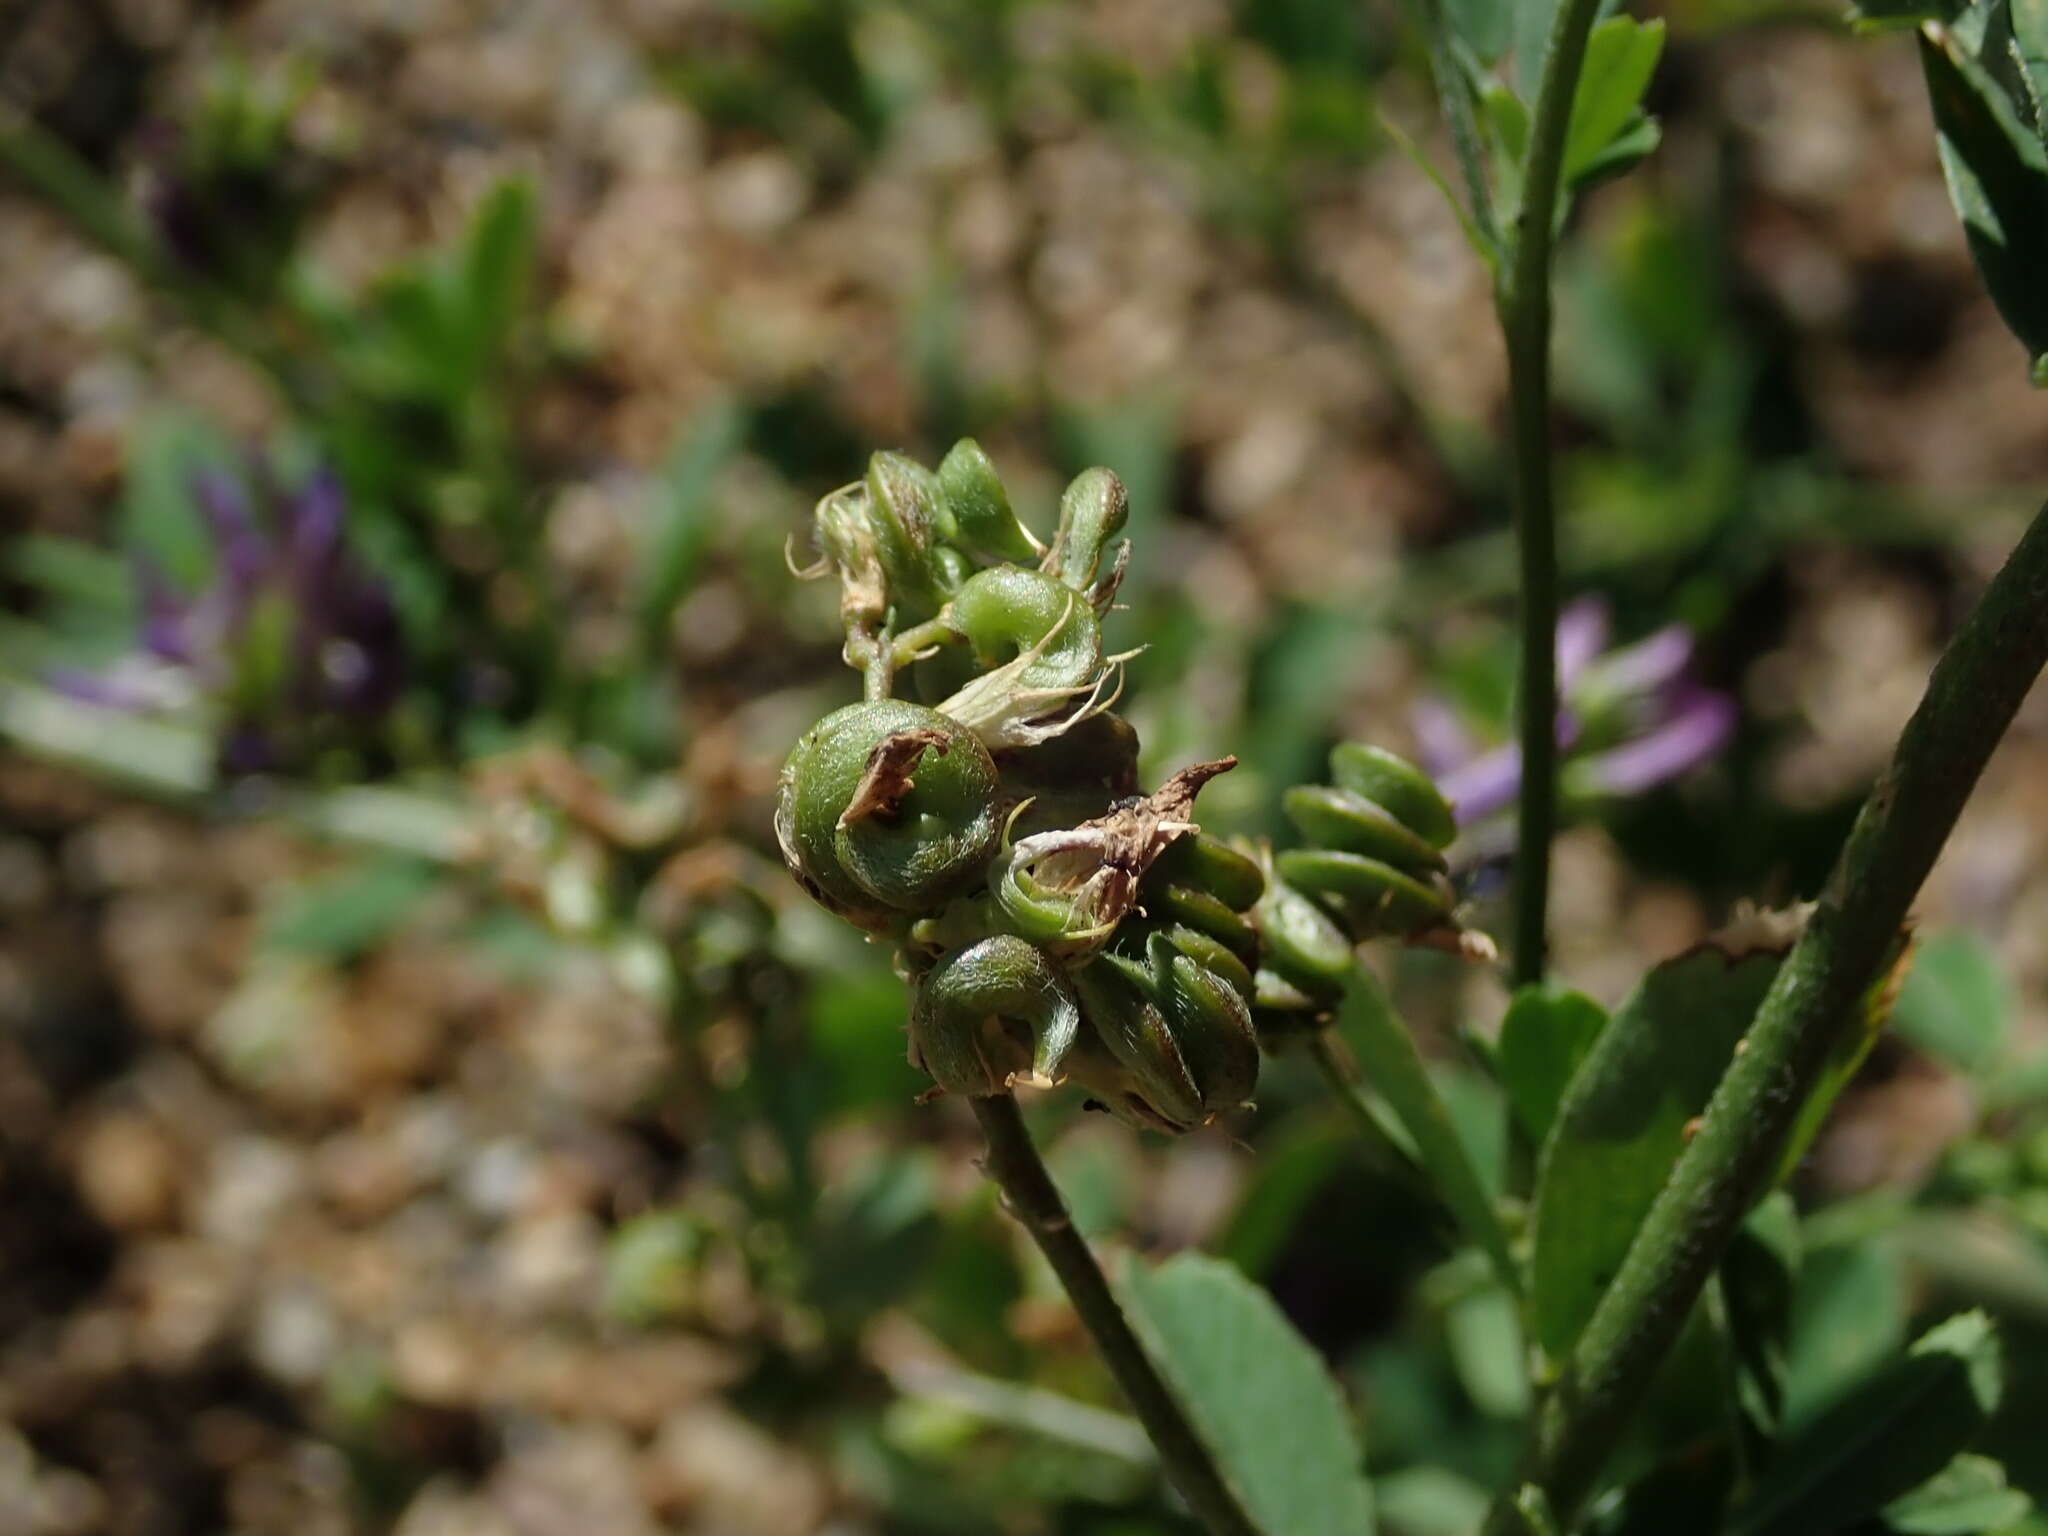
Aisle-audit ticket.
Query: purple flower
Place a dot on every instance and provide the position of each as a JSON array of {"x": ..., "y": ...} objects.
[
  {"x": 1628, "y": 719},
  {"x": 292, "y": 642}
]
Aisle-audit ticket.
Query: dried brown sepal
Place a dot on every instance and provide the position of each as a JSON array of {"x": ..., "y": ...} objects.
[{"x": 887, "y": 778}]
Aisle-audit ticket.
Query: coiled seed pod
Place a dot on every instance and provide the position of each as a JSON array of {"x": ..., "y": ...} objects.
[
  {"x": 1403, "y": 790},
  {"x": 1375, "y": 868},
  {"x": 1374, "y": 862},
  {"x": 993, "y": 1014},
  {"x": 886, "y": 807},
  {"x": 1041, "y": 646},
  {"x": 1178, "y": 1037},
  {"x": 1301, "y": 948}
]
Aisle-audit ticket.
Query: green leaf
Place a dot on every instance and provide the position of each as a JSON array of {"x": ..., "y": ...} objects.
[
  {"x": 160, "y": 518},
  {"x": 1997, "y": 170},
  {"x": 1291, "y": 1167},
  {"x": 1621, "y": 56},
  {"x": 1430, "y": 1501},
  {"x": 1543, "y": 1038},
  {"x": 1475, "y": 237},
  {"x": 679, "y": 522},
  {"x": 1486, "y": 27},
  {"x": 2030, "y": 49},
  {"x": 1849, "y": 1315},
  {"x": 1387, "y": 1054},
  {"x": 1966, "y": 1497},
  {"x": 345, "y": 916},
  {"x": 1895, "y": 1431},
  {"x": 1624, "y": 152},
  {"x": 1758, "y": 1284},
  {"x": 1259, "y": 1397},
  {"x": 1955, "y": 1004},
  {"x": 497, "y": 266},
  {"x": 1485, "y": 1340},
  {"x": 1622, "y": 1123}
]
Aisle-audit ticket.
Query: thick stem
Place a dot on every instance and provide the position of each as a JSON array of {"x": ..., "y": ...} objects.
[
  {"x": 1971, "y": 698},
  {"x": 1014, "y": 1164},
  {"x": 1524, "y": 303}
]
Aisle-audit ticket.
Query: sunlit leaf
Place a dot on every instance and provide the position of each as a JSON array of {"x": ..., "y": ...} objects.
[
  {"x": 1966, "y": 1497},
  {"x": 1259, "y": 1397},
  {"x": 1997, "y": 170},
  {"x": 1896, "y": 1430}
]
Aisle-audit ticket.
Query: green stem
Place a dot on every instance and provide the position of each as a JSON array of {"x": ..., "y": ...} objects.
[
  {"x": 1381, "y": 1149},
  {"x": 1014, "y": 1164},
  {"x": 1970, "y": 700},
  {"x": 1524, "y": 304}
]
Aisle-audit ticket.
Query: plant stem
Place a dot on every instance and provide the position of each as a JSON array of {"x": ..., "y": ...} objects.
[
  {"x": 1014, "y": 1164},
  {"x": 1381, "y": 1149},
  {"x": 1970, "y": 700},
  {"x": 1523, "y": 301}
]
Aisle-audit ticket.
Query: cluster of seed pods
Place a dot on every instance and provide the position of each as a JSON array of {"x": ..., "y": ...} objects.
[{"x": 980, "y": 810}]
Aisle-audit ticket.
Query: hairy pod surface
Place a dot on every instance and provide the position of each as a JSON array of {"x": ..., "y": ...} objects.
[
  {"x": 994, "y": 1013},
  {"x": 887, "y": 805},
  {"x": 1093, "y": 511},
  {"x": 1371, "y": 897},
  {"x": 1178, "y": 1038},
  {"x": 1398, "y": 786}
]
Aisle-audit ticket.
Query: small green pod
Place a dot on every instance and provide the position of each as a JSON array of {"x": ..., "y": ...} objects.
[
  {"x": 1338, "y": 818},
  {"x": 1301, "y": 944},
  {"x": 1133, "y": 936},
  {"x": 1197, "y": 909},
  {"x": 1007, "y": 611},
  {"x": 928, "y": 838},
  {"x": 911, "y": 526},
  {"x": 1154, "y": 1081},
  {"x": 1373, "y": 898},
  {"x": 1212, "y": 1026},
  {"x": 1404, "y": 790},
  {"x": 1093, "y": 511},
  {"x": 1202, "y": 861},
  {"x": 980, "y": 507},
  {"x": 993, "y": 1014}
]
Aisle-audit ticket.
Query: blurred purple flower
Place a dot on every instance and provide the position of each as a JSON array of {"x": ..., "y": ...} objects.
[
  {"x": 291, "y": 640},
  {"x": 1628, "y": 720}
]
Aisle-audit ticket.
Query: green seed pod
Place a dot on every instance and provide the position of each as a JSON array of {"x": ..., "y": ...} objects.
[
  {"x": 911, "y": 527},
  {"x": 1180, "y": 1038},
  {"x": 1207, "y": 864},
  {"x": 1197, "y": 909},
  {"x": 1072, "y": 777},
  {"x": 1371, "y": 897},
  {"x": 886, "y": 807},
  {"x": 1092, "y": 512},
  {"x": 1042, "y": 645},
  {"x": 1338, "y": 818},
  {"x": 992, "y": 1015},
  {"x": 1300, "y": 944},
  {"x": 980, "y": 507},
  {"x": 1134, "y": 936},
  {"x": 1397, "y": 786}
]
